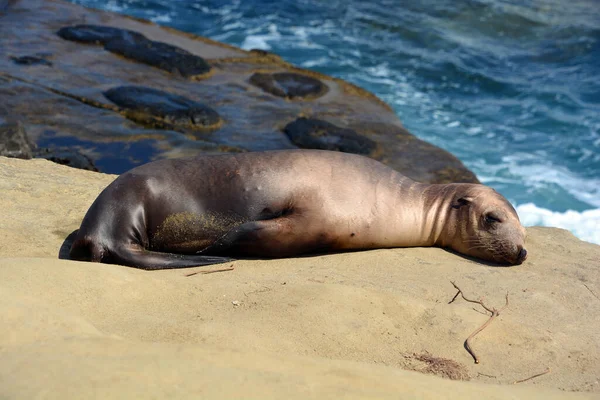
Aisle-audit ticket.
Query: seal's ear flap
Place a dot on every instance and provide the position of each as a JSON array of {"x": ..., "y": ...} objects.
[{"x": 463, "y": 201}]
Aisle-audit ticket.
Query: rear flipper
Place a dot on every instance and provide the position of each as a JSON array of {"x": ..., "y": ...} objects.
[{"x": 137, "y": 257}]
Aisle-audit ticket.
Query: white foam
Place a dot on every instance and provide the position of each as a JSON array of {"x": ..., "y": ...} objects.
[
  {"x": 302, "y": 37},
  {"x": 585, "y": 224},
  {"x": 233, "y": 25},
  {"x": 114, "y": 7},
  {"x": 315, "y": 63},
  {"x": 256, "y": 42},
  {"x": 163, "y": 18},
  {"x": 537, "y": 173},
  {"x": 540, "y": 172},
  {"x": 474, "y": 131}
]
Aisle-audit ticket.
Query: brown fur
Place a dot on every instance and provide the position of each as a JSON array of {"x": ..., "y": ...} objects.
[{"x": 285, "y": 203}]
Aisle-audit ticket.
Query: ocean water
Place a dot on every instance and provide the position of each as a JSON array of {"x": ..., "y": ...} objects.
[{"x": 511, "y": 87}]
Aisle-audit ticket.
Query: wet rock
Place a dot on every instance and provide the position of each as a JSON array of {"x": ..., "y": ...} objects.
[
  {"x": 14, "y": 141},
  {"x": 97, "y": 34},
  {"x": 171, "y": 108},
  {"x": 31, "y": 60},
  {"x": 289, "y": 85},
  {"x": 310, "y": 133},
  {"x": 66, "y": 156},
  {"x": 160, "y": 55},
  {"x": 137, "y": 47},
  {"x": 5, "y": 4}
]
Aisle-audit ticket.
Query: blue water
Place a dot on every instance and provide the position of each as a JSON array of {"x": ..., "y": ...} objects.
[{"x": 510, "y": 87}]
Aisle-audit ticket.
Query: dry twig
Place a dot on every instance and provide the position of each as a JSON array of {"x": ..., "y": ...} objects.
[
  {"x": 591, "y": 291},
  {"x": 230, "y": 268},
  {"x": 493, "y": 311},
  {"x": 533, "y": 376}
]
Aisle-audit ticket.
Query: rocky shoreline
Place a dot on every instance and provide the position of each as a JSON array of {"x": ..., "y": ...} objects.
[{"x": 123, "y": 91}]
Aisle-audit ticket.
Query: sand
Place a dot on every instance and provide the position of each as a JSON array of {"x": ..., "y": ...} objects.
[{"x": 350, "y": 325}]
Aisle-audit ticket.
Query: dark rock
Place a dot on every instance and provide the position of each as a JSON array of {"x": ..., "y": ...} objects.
[
  {"x": 160, "y": 55},
  {"x": 31, "y": 60},
  {"x": 289, "y": 85},
  {"x": 66, "y": 156},
  {"x": 14, "y": 141},
  {"x": 312, "y": 133},
  {"x": 172, "y": 108},
  {"x": 137, "y": 47},
  {"x": 97, "y": 34},
  {"x": 5, "y": 4}
]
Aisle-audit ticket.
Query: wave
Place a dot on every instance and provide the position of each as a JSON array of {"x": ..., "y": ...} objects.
[
  {"x": 585, "y": 224},
  {"x": 257, "y": 42}
]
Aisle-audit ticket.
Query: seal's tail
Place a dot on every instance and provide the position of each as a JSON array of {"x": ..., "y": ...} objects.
[{"x": 86, "y": 249}]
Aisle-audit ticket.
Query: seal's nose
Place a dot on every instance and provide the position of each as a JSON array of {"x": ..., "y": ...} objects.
[{"x": 522, "y": 256}]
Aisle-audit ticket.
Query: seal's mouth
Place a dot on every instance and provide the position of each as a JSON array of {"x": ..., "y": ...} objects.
[{"x": 521, "y": 256}]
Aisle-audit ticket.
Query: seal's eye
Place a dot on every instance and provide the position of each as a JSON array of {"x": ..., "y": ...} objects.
[{"x": 492, "y": 218}]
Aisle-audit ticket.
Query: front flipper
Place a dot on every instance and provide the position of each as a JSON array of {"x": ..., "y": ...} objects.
[
  {"x": 278, "y": 237},
  {"x": 137, "y": 257}
]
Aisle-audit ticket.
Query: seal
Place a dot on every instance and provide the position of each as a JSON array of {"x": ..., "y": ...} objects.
[{"x": 188, "y": 212}]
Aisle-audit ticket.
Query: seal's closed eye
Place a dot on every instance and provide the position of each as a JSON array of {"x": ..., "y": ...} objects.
[{"x": 492, "y": 218}]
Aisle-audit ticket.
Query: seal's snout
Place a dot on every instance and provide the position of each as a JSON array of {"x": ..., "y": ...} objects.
[{"x": 522, "y": 256}]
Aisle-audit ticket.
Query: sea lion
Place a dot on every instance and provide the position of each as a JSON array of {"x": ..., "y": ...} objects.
[{"x": 188, "y": 212}]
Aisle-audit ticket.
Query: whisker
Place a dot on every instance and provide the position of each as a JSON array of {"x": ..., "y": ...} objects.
[{"x": 476, "y": 247}]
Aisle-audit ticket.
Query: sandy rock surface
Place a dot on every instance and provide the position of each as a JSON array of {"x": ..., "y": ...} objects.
[{"x": 342, "y": 325}]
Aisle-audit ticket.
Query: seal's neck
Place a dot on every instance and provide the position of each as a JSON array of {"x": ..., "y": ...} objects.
[{"x": 436, "y": 227}]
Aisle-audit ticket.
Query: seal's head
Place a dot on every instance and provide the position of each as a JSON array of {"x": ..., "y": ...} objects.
[{"x": 487, "y": 226}]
